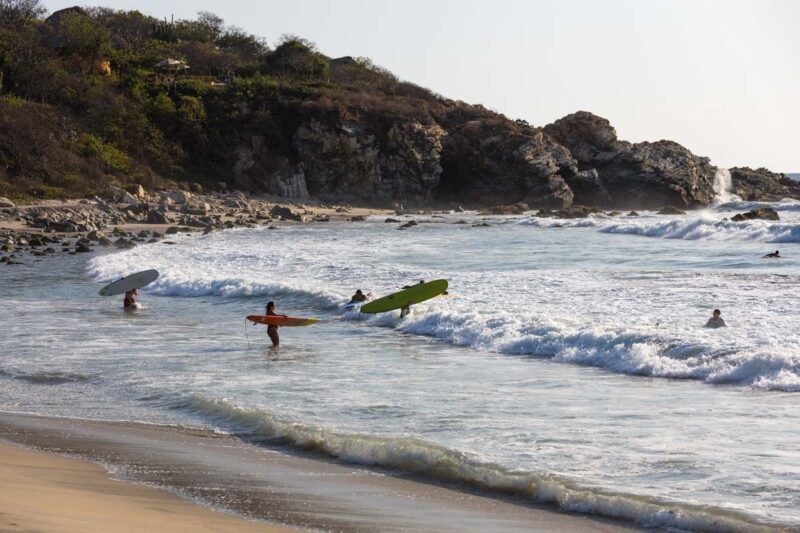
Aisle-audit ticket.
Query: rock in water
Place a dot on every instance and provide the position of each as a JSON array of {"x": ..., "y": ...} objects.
[
  {"x": 762, "y": 213},
  {"x": 670, "y": 210},
  {"x": 5, "y": 202},
  {"x": 761, "y": 185}
]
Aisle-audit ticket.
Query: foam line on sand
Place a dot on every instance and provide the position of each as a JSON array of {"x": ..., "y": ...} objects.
[{"x": 222, "y": 472}]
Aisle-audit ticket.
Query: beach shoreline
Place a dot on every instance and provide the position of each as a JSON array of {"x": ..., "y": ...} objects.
[
  {"x": 42, "y": 491},
  {"x": 263, "y": 484},
  {"x": 50, "y": 228}
]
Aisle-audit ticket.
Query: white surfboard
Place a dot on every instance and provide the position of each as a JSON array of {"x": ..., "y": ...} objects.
[{"x": 134, "y": 281}]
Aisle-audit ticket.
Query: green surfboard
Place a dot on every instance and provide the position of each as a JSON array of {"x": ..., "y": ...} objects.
[{"x": 412, "y": 295}]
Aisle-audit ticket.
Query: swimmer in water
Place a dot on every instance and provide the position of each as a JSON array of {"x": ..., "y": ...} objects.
[
  {"x": 716, "y": 320},
  {"x": 359, "y": 297}
]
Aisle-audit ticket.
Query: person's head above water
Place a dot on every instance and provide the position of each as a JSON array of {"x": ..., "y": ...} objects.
[
  {"x": 422, "y": 282},
  {"x": 717, "y": 313},
  {"x": 358, "y": 292}
]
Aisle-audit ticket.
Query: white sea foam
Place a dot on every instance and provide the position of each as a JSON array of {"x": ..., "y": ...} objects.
[
  {"x": 723, "y": 187},
  {"x": 702, "y": 226},
  {"x": 512, "y": 325},
  {"x": 633, "y": 351},
  {"x": 437, "y": 462}
]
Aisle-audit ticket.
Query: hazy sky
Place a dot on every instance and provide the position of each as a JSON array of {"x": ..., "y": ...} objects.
[{"x": 721, "y": 77}]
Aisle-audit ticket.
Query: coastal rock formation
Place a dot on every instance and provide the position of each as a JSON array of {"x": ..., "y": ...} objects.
[
  {"x": 491, "y": 160},
  {"x": 347, "y": 161},
  {"x": 641, "y": 175},
  {"x": 762, "y": 213},
  {"x": 761, "y": 185}
]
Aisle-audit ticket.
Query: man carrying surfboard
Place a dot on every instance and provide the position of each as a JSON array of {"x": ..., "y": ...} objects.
[
  {"x": 404, "y": 299},
  {"x": 272, "y": 330}
]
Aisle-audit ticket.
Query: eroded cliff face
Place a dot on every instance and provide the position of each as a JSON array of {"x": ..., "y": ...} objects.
[
  {"x": 347, "y": 161},
  {"x": 467, "y": 154},
  {"x": 762, "y": 185},
  {"x": 631, "y": 175},
  {"x": 494, "y": 160}
]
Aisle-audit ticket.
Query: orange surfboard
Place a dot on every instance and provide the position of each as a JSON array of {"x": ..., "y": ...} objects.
[{"x": 288, "y": 321}]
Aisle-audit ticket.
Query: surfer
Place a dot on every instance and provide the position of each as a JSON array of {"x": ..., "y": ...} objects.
[
  {"x": 407, "y": 309},
  {"x": 129, "y": 302},
  {"x": 716, "y": 320},
  {"x": 272, "y": 331},
  {"x": 358, "y": 297},
  {"x": 774, "y": 255}
]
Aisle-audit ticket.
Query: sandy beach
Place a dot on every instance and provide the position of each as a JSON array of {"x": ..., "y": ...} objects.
[
  {"x": 42, "y": 491},
  {"x": 45, "y": 492}
]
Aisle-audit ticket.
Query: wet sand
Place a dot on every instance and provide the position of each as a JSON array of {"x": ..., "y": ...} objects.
[{"x": 222, "y": 472}]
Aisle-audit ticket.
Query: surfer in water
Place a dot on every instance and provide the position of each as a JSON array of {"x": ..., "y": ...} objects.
[
  {"x": 716, "y": 320},
  {"x": 774, "y": 255},
  {"x": 407, "y": 309},
  {"x": 272, "y": 331},
  {"x": 130, "y": 303},
  {"x": 359, "y": 297}
]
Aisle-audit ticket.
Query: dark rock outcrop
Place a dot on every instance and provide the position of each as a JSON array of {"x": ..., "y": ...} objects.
[
  {"x": 761, "y": 185},
  {"x": 285, "y": 213},
  {"x": 489, "y": 160},
  {"x": 349, "y": 161},
  {"x": 641, "y": 175},
  {"x": 671, "y": 210},
  {"x": 762, "y": 213},
  {"x": 513, "y": 209}
]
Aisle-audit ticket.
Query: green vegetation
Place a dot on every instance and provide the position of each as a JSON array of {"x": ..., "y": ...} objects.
[{"x": 83, "y": 104}]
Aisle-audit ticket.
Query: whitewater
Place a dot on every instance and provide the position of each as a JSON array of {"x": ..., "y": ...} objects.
[{"x": 569, "y": 365}]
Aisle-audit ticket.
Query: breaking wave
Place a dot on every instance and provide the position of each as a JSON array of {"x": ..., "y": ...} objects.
[
  {"x": 437, "y": 462},
  {"x": 634, "y": 352},
  {"x": 683, "y": 228}
]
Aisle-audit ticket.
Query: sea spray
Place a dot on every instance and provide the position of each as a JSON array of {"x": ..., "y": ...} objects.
[{"x": 723, "y": 187}]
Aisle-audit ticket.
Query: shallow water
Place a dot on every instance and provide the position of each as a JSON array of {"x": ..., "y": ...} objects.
[{"x": 571, "y": 364}]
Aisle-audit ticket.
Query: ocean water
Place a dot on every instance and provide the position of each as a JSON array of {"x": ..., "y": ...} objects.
[{"x": 569, "y": 364}]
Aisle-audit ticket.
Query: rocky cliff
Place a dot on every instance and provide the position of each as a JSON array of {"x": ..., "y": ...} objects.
[
  {"x": 295, "y": 123},
  {"x": 629, "y": 175},
  {"x": 763, "y": 185}
]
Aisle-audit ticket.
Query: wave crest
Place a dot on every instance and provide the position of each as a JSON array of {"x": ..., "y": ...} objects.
[{"x": 438, "y": 462}]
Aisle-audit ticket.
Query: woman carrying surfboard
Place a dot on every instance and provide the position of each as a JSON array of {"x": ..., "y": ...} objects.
[{"x": 272, "y": 330}]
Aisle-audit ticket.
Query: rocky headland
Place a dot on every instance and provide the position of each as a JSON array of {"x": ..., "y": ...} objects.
[{"x": 194, "y": 101}]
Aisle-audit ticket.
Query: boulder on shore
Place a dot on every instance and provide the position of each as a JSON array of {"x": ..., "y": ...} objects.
[
  {"x": 5, "y": 202},
  {"x": 285, "y": 213},
  {"x": 512, "y": 209},
  {"x": 762, "y": 213},
  {"x": 156, "y": 217}
]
